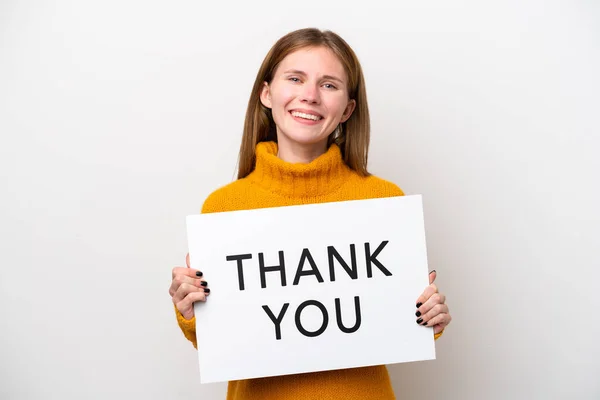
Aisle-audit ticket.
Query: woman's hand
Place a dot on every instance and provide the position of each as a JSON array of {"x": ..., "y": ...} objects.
[
  {"x": 187, "y": 287},
  {"x": 431, "y": 307}
]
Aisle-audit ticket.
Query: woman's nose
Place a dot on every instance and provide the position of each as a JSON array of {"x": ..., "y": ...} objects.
[{"x": 310, "y": 94}]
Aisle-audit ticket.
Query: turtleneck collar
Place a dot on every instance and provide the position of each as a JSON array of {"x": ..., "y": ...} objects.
[{"x": 321, "y": 176}]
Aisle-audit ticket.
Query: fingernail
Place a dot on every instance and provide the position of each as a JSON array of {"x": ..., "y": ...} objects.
[
  {"x": 203, "y": 283},
  {"x": 419, "y": 305},
  {"x": 418, "y": 313},
  {"x": 206, "y": 290},
  {"x": 419, "y": 320},
  {"x": 198, "y": 273},
  {"x": 425, "y": 324},
  {"x": 432, "y": 271}
]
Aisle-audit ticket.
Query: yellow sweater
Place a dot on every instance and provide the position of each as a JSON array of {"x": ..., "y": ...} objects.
[{"x": 275, "y": 183}]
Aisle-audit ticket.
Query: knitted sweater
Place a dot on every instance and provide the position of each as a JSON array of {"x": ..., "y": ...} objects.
[{"x": 275, "y": 183}]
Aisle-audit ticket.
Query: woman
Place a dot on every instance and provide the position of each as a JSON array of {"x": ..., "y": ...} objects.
[{"x": 306, "y": 138}]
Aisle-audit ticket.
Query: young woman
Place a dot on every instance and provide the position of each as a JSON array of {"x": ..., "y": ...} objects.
[{"x": 306, "y": 138}]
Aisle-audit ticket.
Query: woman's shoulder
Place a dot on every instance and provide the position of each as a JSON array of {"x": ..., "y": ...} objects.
[
  {"x": 226, "y": 197},
  {"x": 376, "y": 186}
]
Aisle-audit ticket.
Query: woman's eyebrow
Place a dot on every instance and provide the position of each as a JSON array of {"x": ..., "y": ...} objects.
[
  {"x": 298, "y": 72},
  {"x": 295, "y": 71},
  {"x": 332, "y": 78}
]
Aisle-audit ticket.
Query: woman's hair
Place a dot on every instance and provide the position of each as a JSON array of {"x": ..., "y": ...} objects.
[{"x": 353, "y": 138}]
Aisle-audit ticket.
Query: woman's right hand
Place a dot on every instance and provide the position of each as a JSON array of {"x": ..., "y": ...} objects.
[{"x": 187, "y": 287}]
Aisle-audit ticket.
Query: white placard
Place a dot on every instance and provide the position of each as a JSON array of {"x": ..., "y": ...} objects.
[{"x": 305, "y": 317}]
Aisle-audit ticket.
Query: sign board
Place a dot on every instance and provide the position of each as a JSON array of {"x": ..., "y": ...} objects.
[{"x": 310, "y": 288}]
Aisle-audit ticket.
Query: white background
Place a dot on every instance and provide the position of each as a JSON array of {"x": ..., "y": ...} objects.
[{"x": 118, "y": 118}]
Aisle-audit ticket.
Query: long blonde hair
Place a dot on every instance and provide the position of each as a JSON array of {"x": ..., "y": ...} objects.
[{"x": 354, "y": 135}]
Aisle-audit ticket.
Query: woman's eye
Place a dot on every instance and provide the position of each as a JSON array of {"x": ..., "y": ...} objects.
[
  {"x": 329, "y": 86},
  {"x": 294, "y": 79}
]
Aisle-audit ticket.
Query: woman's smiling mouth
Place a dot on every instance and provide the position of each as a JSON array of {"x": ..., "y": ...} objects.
[{"x": 306, "y": 117}]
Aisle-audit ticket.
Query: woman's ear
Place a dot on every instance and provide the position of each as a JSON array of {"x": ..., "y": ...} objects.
[
  {"x": 265, "y": 95},
  {"x": 348, "y": 111}
]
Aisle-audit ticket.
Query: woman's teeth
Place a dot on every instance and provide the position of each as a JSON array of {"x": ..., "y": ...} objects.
[{"x": 305, "y": 116}]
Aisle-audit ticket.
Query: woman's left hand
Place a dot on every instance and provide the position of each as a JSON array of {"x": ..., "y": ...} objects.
[{"x": 431, "y": 307}]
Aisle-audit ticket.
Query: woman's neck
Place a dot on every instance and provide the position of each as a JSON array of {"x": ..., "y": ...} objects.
[{"x": 299, "y": 153}]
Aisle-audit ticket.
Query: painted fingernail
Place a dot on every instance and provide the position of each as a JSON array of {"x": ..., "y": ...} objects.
[
  {"x": 198, "y": 273},
  {"x": 206, "y": 290},
  {"x": 419, "y": 320},
  {"x": 203, "y": 283},
  {"x": 419, "y": 305},
  {"x": 418, "y": 313},
  {"x": 425, "y": 324}
]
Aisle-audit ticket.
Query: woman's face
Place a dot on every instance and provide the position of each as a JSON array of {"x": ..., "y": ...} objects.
[{"x": 308, "y": 97}]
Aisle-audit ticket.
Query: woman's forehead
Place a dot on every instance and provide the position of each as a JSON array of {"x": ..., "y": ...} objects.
[{"x": 313, "y": 61}]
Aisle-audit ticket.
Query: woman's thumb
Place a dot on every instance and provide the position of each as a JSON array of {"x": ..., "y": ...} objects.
[{"x": 432, "y": 276}]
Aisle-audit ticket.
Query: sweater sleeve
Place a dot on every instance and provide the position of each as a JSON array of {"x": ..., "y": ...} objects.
[{"x": 187, "y": 326}]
